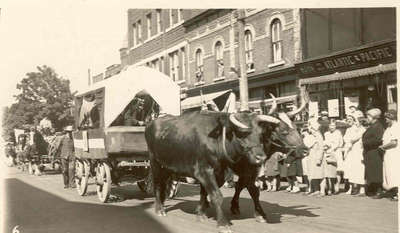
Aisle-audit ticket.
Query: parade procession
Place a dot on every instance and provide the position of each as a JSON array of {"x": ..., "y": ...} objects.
[{"x": 296, "y": 105}]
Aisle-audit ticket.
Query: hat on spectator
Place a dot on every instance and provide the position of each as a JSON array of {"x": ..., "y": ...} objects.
[
  {"x": 374, "y": 113},
  {"x": 391, "y": 114}
]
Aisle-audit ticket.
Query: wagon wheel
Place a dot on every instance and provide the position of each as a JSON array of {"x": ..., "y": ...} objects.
[
  {"x": 147, "y": 186},
  {"x": 103, "y": 181},
  {"x": 81, "y": 176}
]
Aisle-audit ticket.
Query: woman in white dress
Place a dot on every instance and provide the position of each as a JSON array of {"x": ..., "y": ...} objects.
[
  {"x": 354, "y": 169},
  {"x": 391, "y": 160},
  {"x": 333, "y": 157}
]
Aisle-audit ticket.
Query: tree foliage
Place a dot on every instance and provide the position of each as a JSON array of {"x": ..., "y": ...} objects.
[{"x": 42, "y": 94}]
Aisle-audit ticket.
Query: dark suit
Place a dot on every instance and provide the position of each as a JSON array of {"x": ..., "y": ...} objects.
[
  {"x": 67, "y": 160},
  {"x": 373, "y": 159}
]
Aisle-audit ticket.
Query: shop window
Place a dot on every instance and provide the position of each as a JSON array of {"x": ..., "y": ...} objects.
[
  {"x": 219, "y": 58},
  {"x": 199, "y": 66},
  {"x": 276, "y": 30},
  {"x": 248, "y": 45}
]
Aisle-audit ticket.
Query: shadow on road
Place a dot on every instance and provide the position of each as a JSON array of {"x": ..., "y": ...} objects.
[
  {"x": 35, "y": 210},
  {"x": 274, "y": 211}
]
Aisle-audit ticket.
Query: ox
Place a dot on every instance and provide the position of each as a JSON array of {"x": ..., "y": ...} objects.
[
  {"x": 202, "y": 145},
  {"x": 284, "y": 138}
]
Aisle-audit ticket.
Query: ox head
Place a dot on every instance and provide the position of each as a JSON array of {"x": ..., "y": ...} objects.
[{"x": 285, "y": 131}]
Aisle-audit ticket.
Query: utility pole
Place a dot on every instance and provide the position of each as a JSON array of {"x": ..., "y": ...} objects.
[
  {"x": 243, "y": 83},
  {"x": 89, "y": 78}
]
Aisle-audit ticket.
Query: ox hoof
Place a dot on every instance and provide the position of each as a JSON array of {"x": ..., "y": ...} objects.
[
  {"x": 202, "y": 218},
  {"x": 261, "y": 219},
  {"x": 235, "y": 211},
  {"x": 224, "y": 229},
  {"x": 161, "y": 213}
]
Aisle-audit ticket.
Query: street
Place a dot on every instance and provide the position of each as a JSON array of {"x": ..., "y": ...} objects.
[{"x": 40, "y": 204}]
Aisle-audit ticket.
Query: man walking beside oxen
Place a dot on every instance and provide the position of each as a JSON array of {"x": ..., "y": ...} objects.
[{"x": 66, "y": 150}]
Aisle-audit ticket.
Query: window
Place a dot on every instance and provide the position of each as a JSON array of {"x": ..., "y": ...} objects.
[
  {"x": 148, "y": 18},
  {"x": 174, "y": 65},
  {"x": 162, "y": 64},
  {"x": 276, "y": 28},
  {"x": 155, "y": 64},
  {"x": 158, "y": 21},
  {"x": 171, "y": 22},
  {"x": 139, "y": 28},
  {"x": 183, "y": 54},
  {"x": 219, "y": 57},
  {"x": 248, "y": 46},
  {"x": 199, "y": 66},
  {"x": 134, "y": 35},
  {"x": 179, "y": 15}
]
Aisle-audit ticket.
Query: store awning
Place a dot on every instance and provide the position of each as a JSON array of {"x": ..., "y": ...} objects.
[
  {"x": 266, "y": 102},
  {"x": 350, "y": 74},
  {"x": 195, "y": 101}
]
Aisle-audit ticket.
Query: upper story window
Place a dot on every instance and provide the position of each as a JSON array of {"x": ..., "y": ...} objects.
[
  {"x": 248, "y": 46},
  {"x": 174, "y": 65},
  {"x": 134, "y": 35},
  {"x": 180, "y": 15},
  {"x": 171, "y": 18},
  {"x": 183, "y": 55},
  {"x": 139, "y": 31},
  {"x": 219, "y": 57},
  {"x": 158, "y": 21},
  {"x": 148, "y": 19},
  {"x": 199, "y": 65},
  {"x": 276, "y": 30}
]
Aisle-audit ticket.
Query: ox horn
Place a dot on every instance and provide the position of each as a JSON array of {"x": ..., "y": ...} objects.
[
  {"x": 304, "y": 101},
  {"x": 234, "y": 121},
  {"x": 274, "y": 104},
  {"x": 268, "y": 119}
]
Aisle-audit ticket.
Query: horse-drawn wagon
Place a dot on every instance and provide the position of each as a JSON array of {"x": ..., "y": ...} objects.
[{"x": 110, "y": 119}]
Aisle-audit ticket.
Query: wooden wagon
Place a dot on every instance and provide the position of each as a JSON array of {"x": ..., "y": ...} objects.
[{"x": 104, "y": 142}]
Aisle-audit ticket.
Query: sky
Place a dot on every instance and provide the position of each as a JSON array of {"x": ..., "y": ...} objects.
[{"x": 73, "y": 36}]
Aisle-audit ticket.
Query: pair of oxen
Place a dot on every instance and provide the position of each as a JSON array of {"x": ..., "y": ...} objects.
[{"x": 204, "y": 144}]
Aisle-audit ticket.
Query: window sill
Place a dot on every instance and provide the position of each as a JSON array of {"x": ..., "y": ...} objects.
[
  {"x": 180, "y": 82},
  {"x": 199, "y": 83},
  {"x": 279, "y": 63},
  {"x": 219, "y": 79},
  {"x": 251, "y": 71}
]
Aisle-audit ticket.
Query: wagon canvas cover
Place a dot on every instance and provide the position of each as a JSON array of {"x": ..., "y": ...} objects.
[{"x": 122, "y": 88}]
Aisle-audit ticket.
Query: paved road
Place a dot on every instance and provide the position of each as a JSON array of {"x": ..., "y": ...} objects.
[{"x": 40, "y": 204}]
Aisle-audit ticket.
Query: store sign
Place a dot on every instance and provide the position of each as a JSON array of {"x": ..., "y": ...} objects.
[{"x": 384, "y": 53}]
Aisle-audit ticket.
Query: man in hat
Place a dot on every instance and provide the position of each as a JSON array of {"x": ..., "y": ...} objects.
[
  {"x": 135, "y": 114},
  {"x": 66, "y": 150},
  {"x": 373, "y": 156}
]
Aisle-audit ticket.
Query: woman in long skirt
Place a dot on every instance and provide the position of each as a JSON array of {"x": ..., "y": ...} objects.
[
  {"x": 315, "y": 157},
  {"x": 332, "y": 145},
  {"x": 354, "y": 169}
]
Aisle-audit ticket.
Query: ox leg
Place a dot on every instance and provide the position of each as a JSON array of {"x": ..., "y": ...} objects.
[
  {"x": 159, "y": 188},
  {"x": 235, "y": 199},
  {"x": 255, "y": 195},
  {"x": 209, "y": 182},
  {"x": 203, "y": 205}
]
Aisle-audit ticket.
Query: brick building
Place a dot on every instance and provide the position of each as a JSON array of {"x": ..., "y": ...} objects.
[
  {"x": 199, "y": 50},
  {"x": 349, "y": 59}
]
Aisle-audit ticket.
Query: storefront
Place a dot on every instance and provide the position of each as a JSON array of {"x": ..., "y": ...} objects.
[
  {"x": 364, "y": 77},
  {"x": 281, "y": 83}
]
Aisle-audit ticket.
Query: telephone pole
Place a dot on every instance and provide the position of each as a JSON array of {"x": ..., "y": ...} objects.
[{"x": 243, "y": 83}]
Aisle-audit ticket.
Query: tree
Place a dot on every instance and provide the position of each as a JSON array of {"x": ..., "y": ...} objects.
[{"x": 43, "y": 94}]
